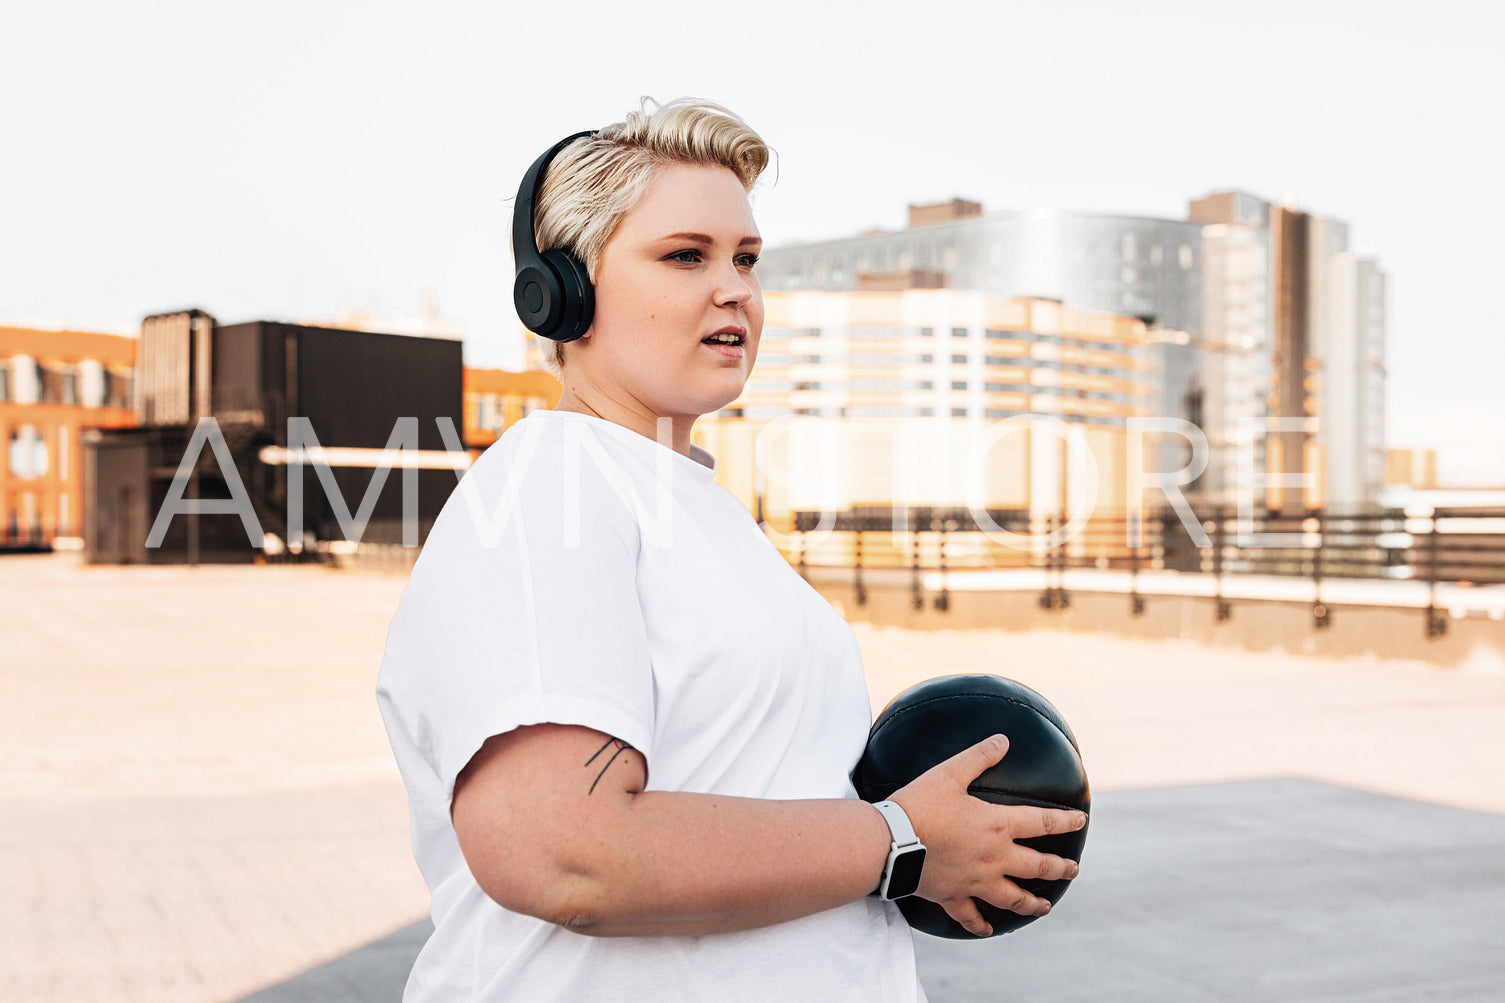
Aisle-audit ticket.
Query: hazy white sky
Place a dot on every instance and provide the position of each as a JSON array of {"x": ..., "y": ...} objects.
[{"x": 278, "y": 160}]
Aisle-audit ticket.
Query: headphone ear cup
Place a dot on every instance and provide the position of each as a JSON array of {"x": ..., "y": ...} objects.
[
  {"x": 577, "y": 299},
  {"x": 538, "y": 295}
]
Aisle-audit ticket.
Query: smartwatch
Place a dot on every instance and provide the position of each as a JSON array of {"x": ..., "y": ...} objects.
[{"x": 906, "y": 855}]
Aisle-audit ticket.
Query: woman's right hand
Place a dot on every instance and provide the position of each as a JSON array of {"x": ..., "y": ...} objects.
[{"x": 970, "y": 848}]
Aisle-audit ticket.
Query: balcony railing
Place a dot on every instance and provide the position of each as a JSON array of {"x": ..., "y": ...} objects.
[{"x": 1457, "y": 547}]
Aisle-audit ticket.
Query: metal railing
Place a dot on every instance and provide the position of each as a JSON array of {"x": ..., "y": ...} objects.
[{"x": 1463, "y": 547}]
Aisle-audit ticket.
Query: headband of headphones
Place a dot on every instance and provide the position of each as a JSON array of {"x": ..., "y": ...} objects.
[{"x": 552, "y": 291}]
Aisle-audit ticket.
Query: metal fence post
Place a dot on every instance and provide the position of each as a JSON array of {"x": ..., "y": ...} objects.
[
  {"x": 1322, "y": 617},
  {"x": 1437, "y": 624}
]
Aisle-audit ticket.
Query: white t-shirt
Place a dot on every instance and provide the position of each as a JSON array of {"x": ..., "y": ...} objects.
[{"x": 584, "y": 574}]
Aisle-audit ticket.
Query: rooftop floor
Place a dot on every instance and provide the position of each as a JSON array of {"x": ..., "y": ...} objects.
[{"x": 197, "y": 803}]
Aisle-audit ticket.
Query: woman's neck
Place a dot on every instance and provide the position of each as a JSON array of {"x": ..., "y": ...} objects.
[{"x": 673, "y": 432}]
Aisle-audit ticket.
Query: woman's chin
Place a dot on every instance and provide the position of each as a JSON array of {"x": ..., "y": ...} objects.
[{"x": 711, "y": 401}]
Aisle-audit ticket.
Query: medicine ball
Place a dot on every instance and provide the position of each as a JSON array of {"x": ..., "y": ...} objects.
[{"x": 929, "y": 723}]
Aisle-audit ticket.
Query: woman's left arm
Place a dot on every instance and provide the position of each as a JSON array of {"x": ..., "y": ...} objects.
[{"x": 555, "y": 823}]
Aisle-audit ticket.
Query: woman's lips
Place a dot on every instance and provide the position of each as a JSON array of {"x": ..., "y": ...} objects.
[{"x": 730, "y": 351}]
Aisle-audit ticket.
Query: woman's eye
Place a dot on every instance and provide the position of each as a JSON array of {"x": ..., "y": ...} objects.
[
  {"x": 689, "y": 256},
  {"x": 747, "y": 260}
]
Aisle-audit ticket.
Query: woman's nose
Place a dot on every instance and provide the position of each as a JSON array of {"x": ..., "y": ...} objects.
[{"x": 733, "y": 288}]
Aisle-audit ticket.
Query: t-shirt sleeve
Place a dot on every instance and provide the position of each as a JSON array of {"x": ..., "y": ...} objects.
[{"x": 522, "y": 609}]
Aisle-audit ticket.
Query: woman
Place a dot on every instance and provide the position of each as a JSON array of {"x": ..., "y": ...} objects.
[{"x": 625, "y": 724}]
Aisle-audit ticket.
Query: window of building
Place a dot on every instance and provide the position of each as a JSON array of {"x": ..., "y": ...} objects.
[
  {"x": 927, "y": 385},
  {"x": 762, "y": 413},
  {"x": 49, "y": 384},
  {"x": 1183, "y": 257},
  {"x": 958, "y": 412},
  {"x": 25, "y": 380},
  {"x": 28, "y": 453},
  {"x": 958, "y": 332},
  {"x": 927, "y": 332},
  {"x": 958, "y": 358},
  {"x": 4, "y": 381},
  {"x": 927, "y": 358},
  {"x": 958, "y": 384},
  {"x": 880, "y": 412},
  {"x": 117, "y": 390},
  {"x": 91, "y": 383}
]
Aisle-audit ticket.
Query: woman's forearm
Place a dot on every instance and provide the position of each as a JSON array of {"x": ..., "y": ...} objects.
[
  {"x": 700, "y": 863},
  {"x": 588, "y": 848}
]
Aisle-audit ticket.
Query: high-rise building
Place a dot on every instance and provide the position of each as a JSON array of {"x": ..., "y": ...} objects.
[
  {"x": 1292, "y": 312},
  {"x": 1133, "y": 266},
  {"x": 1252, "y": 312}
]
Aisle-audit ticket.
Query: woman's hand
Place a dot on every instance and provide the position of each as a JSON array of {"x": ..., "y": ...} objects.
[{"x": 970, "y": 844}]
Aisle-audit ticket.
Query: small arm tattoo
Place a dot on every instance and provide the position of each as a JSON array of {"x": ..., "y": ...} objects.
[{"x": 621, "y": 747}]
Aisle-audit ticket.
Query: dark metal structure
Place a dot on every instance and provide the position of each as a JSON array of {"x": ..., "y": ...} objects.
[{"x": 351, "y": 386}]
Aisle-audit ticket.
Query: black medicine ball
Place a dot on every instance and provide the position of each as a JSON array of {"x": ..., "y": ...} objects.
[{"x": 929, "y": 723}]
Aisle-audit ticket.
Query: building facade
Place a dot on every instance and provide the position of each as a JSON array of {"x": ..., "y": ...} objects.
[
  {"x": 53, "y": 385},
  {"x": 1127, "y": 265},
  {"x": 906, "y": 399},
  {"x": 495, "y": 399},
  {"x": 1262, "y": 329}
]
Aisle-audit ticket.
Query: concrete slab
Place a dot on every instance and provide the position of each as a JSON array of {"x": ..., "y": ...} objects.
[
  {"x": 196, "y": 899},
  {"x": 1268, "y": 890},
  {"x": 197, "y": 798}
]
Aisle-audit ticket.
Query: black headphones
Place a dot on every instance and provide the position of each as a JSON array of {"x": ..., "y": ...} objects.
[{"x": 553, "y": 292}]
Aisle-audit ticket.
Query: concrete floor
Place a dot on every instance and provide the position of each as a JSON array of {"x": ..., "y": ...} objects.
[
  {"x": 198, "y": 805},
  {"x": 1269, "y": 890}
]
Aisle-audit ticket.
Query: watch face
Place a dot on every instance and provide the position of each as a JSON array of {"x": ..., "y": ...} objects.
[{"x": 905, "y": 879}]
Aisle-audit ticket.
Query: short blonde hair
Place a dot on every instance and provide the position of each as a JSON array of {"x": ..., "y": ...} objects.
[{"x": 593, "y": 182}]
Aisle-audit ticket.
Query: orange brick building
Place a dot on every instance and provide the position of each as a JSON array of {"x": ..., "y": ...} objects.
[
  {"x": 496, "y": 398},
  {"x": 54, "y": 384}
]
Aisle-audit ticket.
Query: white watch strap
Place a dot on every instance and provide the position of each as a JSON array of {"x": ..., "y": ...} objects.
[{"x": 899, "y": 829}]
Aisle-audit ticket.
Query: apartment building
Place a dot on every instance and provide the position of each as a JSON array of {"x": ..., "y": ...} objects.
[{"x": 53, "y": 385}]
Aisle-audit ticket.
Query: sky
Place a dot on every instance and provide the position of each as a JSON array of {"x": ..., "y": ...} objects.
[{"x": 292, "y": 160}]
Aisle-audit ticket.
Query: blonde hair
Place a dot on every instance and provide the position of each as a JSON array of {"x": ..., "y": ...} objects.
[{"x": 592, "y": 183}]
